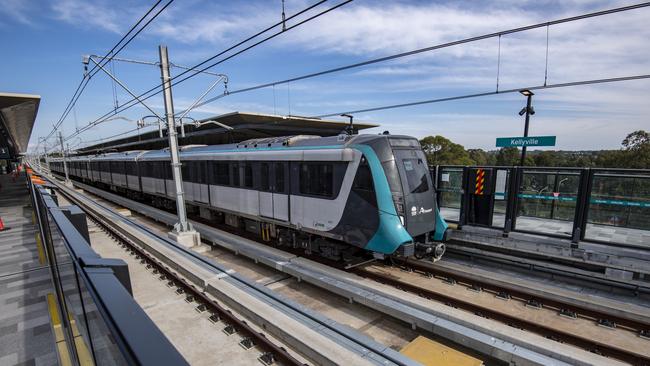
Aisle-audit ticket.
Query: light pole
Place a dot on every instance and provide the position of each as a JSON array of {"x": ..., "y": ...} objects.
[{"x": 528, "y": 110}]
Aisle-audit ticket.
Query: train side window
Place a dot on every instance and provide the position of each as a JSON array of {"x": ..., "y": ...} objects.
[
  {"x": 248, "y": 175},
  {"x": 221, "y": 173},
  {"x": 201, "y": 172},
  {"x": 316, "y": 179},
  {"x": 363, "y": 179},
  {"x": 131, "y": 168},
  {"x": 264, "y": 177},
  {"x": 185, "y": 171},
  {"x": 162, "y": 172},
  {"x": 194, "y": 172},
  {"x": 116, "y": 167},
  {"x": 234, "y": 169},
  {"x": 279, "y": 178},
  {"x": 363, "y": 184},
  {"x": 167, "y": 169}
]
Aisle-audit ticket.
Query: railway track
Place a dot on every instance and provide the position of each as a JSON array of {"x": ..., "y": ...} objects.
[
  {"x": 540, "y": 329},
  {"x": 232, "y": 323},
  {"x": 609, "y": 344}
]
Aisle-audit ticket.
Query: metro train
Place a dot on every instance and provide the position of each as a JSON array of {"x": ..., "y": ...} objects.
[{"x": 333, "y": 196}]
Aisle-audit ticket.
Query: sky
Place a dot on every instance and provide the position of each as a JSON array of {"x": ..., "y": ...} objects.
[{"x": 43, "y": 43}]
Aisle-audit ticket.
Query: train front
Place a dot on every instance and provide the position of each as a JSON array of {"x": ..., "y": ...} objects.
[{"x": 412, "y": 197}]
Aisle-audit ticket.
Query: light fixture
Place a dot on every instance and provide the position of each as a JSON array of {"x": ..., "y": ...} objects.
[{"x": 526, "y": 92}]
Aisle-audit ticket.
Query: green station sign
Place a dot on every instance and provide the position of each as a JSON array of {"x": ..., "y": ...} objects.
[{"x": 526, "y": 141}]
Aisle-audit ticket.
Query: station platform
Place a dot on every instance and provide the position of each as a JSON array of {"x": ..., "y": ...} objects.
[
  {"x": 613, "y": 253},
  {"x": 27, "y": 334},
  {"x": 599, "y": 233}
]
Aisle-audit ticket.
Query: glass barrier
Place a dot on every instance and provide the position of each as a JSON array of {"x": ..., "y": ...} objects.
[
  {"x": 92, "y": 341},
  {"x": 450, "y": 191},
  {"x": 547, "y": 201},
  {"x": 619, "y": 208}
]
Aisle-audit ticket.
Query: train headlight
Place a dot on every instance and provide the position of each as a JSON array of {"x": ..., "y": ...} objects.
[{"x": 401, "y": 219}]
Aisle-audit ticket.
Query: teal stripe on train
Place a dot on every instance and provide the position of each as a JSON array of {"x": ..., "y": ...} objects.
[{"x": 390, "y": 233}]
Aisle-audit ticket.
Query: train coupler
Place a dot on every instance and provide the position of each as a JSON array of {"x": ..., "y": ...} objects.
[{"x": 433, "y": 251}]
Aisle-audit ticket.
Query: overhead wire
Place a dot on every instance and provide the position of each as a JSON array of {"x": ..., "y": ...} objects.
[
  {"x": 157, "y": 89},
  {"x": 111, "y": 53},
  {"x": 437, "y": 47},
  {"x": 476, "y": 95}
]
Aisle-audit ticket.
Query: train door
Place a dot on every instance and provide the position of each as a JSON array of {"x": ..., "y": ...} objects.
[
  {"x": 281, "y": 191},
  {"x": 265, "y": 193},
  {"x": 273, "y": 197}
]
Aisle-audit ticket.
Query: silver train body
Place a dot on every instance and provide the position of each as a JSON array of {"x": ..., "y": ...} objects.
[{"x": 328, "y": 195}]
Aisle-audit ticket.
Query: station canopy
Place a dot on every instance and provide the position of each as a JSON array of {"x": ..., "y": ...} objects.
[
  {"x": 244, "y": 126},
  {"x": 17, "y": 116}
]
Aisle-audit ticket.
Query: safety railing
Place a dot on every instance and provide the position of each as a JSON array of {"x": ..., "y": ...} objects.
[
  {"x": 600, "y": 205},
  {"x": 99, "y": 322}
]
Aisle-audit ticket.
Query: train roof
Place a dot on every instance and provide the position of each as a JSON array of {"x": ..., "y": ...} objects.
[
  {"x": 296, "y": 141},
  {"x": 124, "y": 156},
  {"x": 244, "y": 126}
]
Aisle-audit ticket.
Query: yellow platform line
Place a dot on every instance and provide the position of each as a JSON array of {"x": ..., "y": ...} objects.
[
  {"x": 85, "y": 357},
  {"x": 41, "y": 252},
  {"x": 429, "y": 353},
  {"x": 61, "y": 347}
]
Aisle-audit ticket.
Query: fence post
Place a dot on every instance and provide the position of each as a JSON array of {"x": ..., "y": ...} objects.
[
  {"x": 511, "y": 207},
  {"x": 464, "y": 199},
  {"x": 582, "y": 206}
]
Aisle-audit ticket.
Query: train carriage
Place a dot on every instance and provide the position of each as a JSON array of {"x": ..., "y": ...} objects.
[{"x": 328, "y": 195}]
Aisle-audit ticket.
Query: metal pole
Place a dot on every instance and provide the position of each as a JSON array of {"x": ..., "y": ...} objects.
[
  {"x": 223, "y": 77},
  {"x": 523, "y": 149},
  {"x": 65, "y": 162},
  {"x": 125, "y": 88},
  {"x": 182, "y": 225},
  {"x": 45, "y": 156}
]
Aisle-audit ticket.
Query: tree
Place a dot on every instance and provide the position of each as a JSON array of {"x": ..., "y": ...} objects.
[
  {"x": 548, "y": 158},
  {"x": 441, "y": 151},
  {"x": 479, "y": 157},
  {"x": 508, "y": 156},
  {"x": 636, "y": 152},
  {"x": 636, "y": 140}
]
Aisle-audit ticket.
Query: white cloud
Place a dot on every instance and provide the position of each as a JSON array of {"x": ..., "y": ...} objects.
[
  {"x": 17, "y": 10},
  {"x": 98, "y": 14}
]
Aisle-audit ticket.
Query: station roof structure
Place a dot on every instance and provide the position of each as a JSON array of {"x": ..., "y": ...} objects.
[
  {"x": 244, "y": 126},
  {"x": 17, "y": 116}
]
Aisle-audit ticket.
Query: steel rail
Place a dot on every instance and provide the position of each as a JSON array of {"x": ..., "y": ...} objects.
[{"x": 549, "y": 332}]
